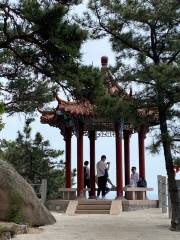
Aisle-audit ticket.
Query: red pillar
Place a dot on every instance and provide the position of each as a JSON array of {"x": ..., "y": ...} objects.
[
  {"x": 141, "y": 136},
  {"x": 127, "y": 156},
  {"x": 92, "y": 163},
  {"x": 68, "y": 134},
  {"x": 80, "y": 174},
  {"x": 119, "y": 182}
]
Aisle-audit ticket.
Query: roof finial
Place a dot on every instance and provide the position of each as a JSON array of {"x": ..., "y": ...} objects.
[
  {"x": 104, "y": 61},
  {"x": 130, "y": 92}
]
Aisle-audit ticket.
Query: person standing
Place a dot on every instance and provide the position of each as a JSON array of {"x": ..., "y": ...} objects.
[
  {"x": 87, "y": 176},
  {"x": 108, "y": 189},
  {"x": 102, "y": 174},
  {"x": 134, "y": 177}
]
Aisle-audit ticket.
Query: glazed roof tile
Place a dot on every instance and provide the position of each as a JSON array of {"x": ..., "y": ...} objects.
[{"x": 84, "y": 108}]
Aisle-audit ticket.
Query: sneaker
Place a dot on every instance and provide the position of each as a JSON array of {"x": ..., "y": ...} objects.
[
  {"x": 97, "y": 198},
  {"x": 104, "y": 198}
]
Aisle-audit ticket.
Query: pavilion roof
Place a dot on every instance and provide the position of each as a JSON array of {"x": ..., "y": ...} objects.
[
  {"x": 78, "y": 108},
  {"x": 83, "y": 108}
]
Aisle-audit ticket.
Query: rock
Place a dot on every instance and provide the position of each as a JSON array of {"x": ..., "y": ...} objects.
[
  {"x": 18, "y": 201},
  {"x": 5, "y": 236},
  {"x": 7, "y": 230},
  {"x": 13, "y": 228}
]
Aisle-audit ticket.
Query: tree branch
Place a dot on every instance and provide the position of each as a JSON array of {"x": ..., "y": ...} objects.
[
  {"x": 173, "y": 57},
  {"x": 118, "y": 36}
]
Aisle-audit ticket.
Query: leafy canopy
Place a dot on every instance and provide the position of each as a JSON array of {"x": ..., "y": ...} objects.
[{"x": 39, "y": 51}]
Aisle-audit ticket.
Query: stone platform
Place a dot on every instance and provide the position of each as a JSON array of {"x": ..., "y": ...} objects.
[
  {"x": 57, "y": 205},
  {"x": 133, "y": 205},
  {"x": 126, "y": 205}
]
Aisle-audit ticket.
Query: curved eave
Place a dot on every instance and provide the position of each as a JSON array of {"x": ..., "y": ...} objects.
[{"x": 76, "y": 108}]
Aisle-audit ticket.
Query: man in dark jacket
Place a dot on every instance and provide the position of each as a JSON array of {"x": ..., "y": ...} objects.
[{"x": 87, "y": 176}]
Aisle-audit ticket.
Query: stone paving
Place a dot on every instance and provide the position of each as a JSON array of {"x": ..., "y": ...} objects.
[{"x": 149, "y": 224}]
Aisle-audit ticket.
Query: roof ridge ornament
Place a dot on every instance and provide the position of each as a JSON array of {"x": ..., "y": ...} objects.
[
  {"x": 112, "y": 86},
  {"x": 104, "y": 61},
  {"x": 130, "y": 92}
]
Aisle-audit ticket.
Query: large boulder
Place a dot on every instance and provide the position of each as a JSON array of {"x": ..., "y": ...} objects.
[{"x": 18, "y": 201}]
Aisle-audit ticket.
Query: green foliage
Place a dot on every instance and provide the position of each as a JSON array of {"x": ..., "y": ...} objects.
[
  {"x": 34, "y": 159},
  {"x": 177, "y": 161},
  {"x": 87, "y": 84},
  {"x": 56, "y": 180},
  {"x": 39, "y": 51}
]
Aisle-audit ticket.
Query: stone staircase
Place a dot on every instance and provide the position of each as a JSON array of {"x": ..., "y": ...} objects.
[{"x": 93, "y": 206}]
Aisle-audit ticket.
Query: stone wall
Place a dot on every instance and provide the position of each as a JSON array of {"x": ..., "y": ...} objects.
[
  {"x": 57, "y": 205},
  {"x": 133, "y": 205}
]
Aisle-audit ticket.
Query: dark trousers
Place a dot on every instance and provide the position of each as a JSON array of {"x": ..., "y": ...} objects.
[
  {"x": 87, "y": 184},
  {"x": 102, "y": 186}
]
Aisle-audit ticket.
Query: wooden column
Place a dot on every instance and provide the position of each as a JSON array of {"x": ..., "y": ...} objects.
[
  {"x": 92, "y": 163},
  {"x": 68, "y": 134},
  {"x": 141, "y": 136},
  {"x": 119, "y": 182},
  {"x": 80, "y": 173},
  {"x": 127, "y": 156}
]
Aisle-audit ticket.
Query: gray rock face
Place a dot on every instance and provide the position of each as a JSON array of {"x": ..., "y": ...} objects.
[
  {"x": 7, "y": 230},
  {"x": 18, "y": 201}
]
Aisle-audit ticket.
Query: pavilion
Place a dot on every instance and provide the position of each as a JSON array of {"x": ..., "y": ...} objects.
[{"x": 78, "y": 118}]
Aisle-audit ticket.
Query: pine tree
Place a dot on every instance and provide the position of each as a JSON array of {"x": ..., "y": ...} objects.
[
  {"x": 39, "y": 51},
  {"x": 145, "y": 36},
  {"x": 35, "y": 160}
]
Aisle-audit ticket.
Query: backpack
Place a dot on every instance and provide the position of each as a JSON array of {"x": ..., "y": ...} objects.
[{"x": 142, "y": 183}]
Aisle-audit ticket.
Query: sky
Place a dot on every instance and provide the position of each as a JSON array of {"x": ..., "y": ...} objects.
[{"x": 92, "y": 51}]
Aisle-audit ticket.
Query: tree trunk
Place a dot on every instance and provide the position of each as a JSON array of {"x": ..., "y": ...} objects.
[{"x": 173, "y": 191}]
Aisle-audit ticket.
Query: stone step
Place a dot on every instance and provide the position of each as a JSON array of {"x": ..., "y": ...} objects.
[
  {"x": 100, "y": 211},
  {"x": 94, "y": 202},
  {"x": 94, "y": 207}
]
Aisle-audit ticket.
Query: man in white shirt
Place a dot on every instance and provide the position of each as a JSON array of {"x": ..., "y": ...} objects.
[
  {"x": 134, "y": 177},
  {"x": 102, "y": 174}
]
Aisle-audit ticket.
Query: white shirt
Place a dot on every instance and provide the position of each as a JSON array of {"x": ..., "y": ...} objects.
[
  {"x": 101, "y": 166},
  {"x": 134, "y": 179}
]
